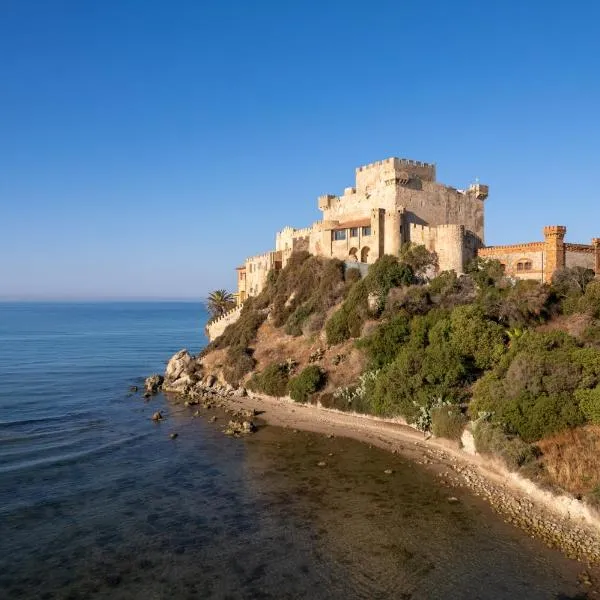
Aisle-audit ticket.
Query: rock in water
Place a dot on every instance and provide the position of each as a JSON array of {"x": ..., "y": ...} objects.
[
  {"x": 133, "y": 389},
  {"x": 157, "y": 416},
  {"x": 153, "y": 383},
  {"x": 173, "y": 435}
]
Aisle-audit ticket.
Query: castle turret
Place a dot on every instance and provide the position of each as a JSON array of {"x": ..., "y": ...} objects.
[{"x": 554, "y": 250}]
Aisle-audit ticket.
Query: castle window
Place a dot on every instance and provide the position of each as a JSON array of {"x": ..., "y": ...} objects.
[
  {"x": 524, "y": 265},
  {"x": 366, "y": 230},
  {"x": 354, "y": 232},
  {"x": 339, "y": 234}
]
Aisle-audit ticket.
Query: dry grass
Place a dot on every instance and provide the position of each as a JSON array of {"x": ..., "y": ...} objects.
[
  {"x": 575, "y": 325},
  {"x": 572, "y": 459},
  {"x": 273, "y": 345}
]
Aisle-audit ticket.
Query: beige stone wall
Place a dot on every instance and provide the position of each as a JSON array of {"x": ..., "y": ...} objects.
[
  {"x": 447, "y": 241},
  {"x": 580, "y": 257},
  {"x": 511, "y": 256},
  {"x": 218, "y": 326},
  {"x": 257, "y": 269}
]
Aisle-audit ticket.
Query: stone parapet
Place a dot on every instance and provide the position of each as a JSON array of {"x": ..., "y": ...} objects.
[
  {"x": 490, "y": 251},
  {"x": 217, "y": 326}
]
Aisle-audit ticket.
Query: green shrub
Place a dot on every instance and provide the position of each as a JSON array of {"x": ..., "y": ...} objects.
[
  {"x": 418, "y": 258},
  {"x": 492, "y": 440},
  {"x": 307, "y": 382},
  {"x": 571, "y": 280},
  {"x": 239, "y": 363},
  {"x": 386, "y": 273},
  {"x": 348, "y": 320},
  {"x": 242, "y": 332},
  {"x": 272, "y": 380},
  {"x": 589, "y": 403},
  {"x": 297, "y": 319},
  {"x": 485, "y": 272},
  {"x": 533, "y": 418},
  {"x": 447, "y": 422},
  {"x": 475, "y": 336},
  {"x": 589, "y": 303},
  {"x": 382, "y": 346}
]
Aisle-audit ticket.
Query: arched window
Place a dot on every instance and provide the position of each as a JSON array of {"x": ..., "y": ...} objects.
[
  {"x": 524, "y": 265},
  {"x": 364, "y": 254}
]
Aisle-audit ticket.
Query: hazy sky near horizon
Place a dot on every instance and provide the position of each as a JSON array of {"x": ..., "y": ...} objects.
[{"x": 147, "y": 147}]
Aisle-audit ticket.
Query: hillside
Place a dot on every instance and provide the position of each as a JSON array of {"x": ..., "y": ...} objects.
[{"x": 518, "y": 363}]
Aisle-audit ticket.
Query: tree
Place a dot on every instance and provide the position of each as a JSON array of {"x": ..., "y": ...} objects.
[
  {"x": 572, "y": 280},
  {"x": 419, "y": 259},
  {"x": 219, "y": 302}
]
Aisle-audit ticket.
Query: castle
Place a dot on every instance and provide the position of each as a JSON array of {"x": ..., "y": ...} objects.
[{"x": 396, "y": 201}]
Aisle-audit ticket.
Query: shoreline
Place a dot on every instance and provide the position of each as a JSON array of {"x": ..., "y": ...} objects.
[{"x": 560, "y": 522}]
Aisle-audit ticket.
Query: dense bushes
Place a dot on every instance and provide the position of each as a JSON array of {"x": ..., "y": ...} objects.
[
  {"x": 306, "y": 383},
  {"x": 384, "y": 274},
  {"x": 383, "y": 344},
  {"x": 347, "y": 321},
  {"x": 589, "y": 402},
  {"x": 447, "y": 422},
  {"x": 491, "y": 439},
  {"x": 537, "y": 387},
  {"x": 272, "y": 380}
]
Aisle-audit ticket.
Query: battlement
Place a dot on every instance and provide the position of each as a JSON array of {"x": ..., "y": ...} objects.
[
  {"x": 391, "y": 171},
  {"x": 325, "y": 201},
  {"x": 555, "y": 231},
  {"x": 293, "y": 232},
  {"x": 396, "y": 162},
  {"x": 273, "y": 254}
]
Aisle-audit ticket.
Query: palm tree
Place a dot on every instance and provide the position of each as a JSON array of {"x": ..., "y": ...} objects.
[{"x": 219, "y": 302}]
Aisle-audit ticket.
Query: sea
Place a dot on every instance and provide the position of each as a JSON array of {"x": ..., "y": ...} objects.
[{"x": 98, "y": 501}]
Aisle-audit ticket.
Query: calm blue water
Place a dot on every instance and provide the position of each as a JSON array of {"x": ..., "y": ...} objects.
[{"x": 96, "y": 501}]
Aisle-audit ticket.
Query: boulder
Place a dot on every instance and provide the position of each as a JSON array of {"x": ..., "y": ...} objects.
[
  {"x": 240, "y": 427},
  {"x": 157, "y": 416},
  {"x": 210, "y": 381},
  {"x": 180, "y": 385},
  {"x": 153, "y": 383},
  {"x": 181, "y": 362}
]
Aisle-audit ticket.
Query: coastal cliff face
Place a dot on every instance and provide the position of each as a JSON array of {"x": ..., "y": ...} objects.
[{"x": 515, "y": 363}]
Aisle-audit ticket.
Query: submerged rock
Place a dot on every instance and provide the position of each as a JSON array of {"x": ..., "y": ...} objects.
[
  {"x": 133, "y": 389},
  {"x": 173, "y": 435}
]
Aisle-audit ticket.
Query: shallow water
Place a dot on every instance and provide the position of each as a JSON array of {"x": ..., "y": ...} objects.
[{"x": 97, "y": 502}]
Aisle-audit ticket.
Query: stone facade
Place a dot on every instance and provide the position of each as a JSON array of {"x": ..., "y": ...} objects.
[
  {"x": 397, "y": 200},
  {"x": 540, "y": 260},
  {"x": 394, "y": 201}
]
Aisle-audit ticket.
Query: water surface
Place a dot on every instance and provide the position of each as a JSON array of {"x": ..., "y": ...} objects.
[{"x": 96, "y": 501}]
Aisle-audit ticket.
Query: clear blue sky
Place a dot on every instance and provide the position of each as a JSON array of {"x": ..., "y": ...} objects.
[{"x": 147, "y": 147}]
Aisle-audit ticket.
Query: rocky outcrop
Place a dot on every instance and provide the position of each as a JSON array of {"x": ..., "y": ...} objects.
[
  {"x": 153, "y": 383},
  {"x": 182, "y": 372}
]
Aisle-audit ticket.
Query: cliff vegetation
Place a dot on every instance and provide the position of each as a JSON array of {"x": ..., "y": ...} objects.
[{"x": 516, "y": 362}]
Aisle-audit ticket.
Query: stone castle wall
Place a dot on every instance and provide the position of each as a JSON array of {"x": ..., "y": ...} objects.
[{"x": 215, "y": 328}]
